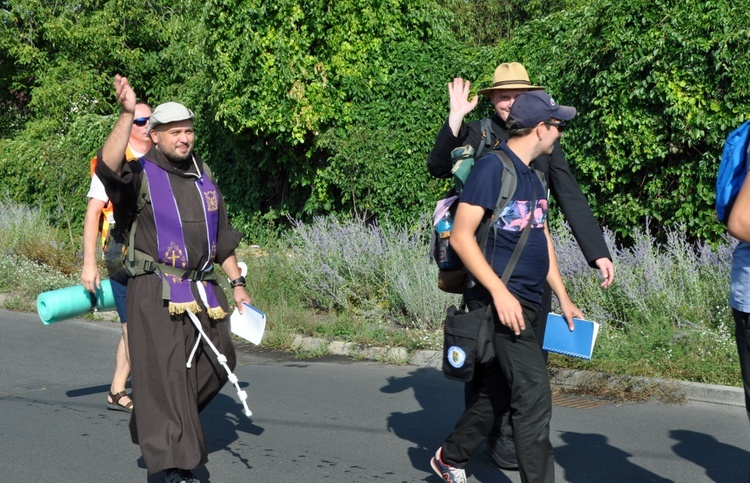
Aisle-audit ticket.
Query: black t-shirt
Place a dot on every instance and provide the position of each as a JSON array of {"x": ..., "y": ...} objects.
[{"x": 482, "y": 189}]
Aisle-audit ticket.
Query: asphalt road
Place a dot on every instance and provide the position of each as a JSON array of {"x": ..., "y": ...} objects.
[{"x": 329, "y": 419}]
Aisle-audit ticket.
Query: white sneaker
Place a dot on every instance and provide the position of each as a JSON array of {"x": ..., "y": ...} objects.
[
  {"x": 175, "y": 475},
  {"x": 447, "y": 472}
]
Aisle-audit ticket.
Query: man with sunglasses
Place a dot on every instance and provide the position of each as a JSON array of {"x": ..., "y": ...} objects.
[
  {"x": 100, "y": 218},
  {"x": 510, "y": 80},
  {"x": 517, "y": 379}
]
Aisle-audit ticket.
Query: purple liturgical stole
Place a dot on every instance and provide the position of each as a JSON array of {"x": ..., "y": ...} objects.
[{"x": 172, "y": 250}]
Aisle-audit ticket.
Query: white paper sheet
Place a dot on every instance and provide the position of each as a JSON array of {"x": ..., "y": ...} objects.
[{"x": 251, "y": 325}]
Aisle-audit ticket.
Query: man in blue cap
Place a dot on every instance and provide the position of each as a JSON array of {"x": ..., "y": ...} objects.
[
  {"x": 518, "y": 378},
  {"x": 510, "y": 81}
]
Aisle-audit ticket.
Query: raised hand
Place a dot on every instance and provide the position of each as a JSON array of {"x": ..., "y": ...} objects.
[
  {"x": 113, "y": 151},
  {"x": 460, "y": 104},
  {"x": 124, "y": 93}
]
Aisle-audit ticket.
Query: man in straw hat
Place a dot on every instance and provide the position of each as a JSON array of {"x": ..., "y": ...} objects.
[
  {"x": 509, "y": 81},
  {"x": 518, "y": 378}
]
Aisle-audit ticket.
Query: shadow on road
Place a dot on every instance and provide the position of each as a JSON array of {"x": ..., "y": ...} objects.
[
  {"x": 87, "y": 391},
  {"x": 723, "y": 463},
  {"x": 589, "y": 458},
  {"x": 222, "y": 420},
  {"x": 441, "y": 403}
]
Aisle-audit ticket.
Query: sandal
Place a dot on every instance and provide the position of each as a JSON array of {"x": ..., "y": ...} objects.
[{"x": 115, "y": 404}]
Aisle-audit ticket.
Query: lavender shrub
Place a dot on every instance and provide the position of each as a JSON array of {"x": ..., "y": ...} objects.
[
  {"x": 667, "y": 311},
  {"x": 411, "y": 278},
  {"x": 673, "y": 282},
  {"x": 338, "y": 265},
  {"x": 27, "y": 241},
  {"x": 665, "y": 315},
  {"x": 381, "y": 271}
]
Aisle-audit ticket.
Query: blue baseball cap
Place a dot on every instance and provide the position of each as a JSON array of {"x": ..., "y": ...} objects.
[{"x": 533, "y": 107}]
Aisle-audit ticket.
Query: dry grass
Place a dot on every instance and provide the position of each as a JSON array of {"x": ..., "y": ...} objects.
[{"x": 617, "y": 388}]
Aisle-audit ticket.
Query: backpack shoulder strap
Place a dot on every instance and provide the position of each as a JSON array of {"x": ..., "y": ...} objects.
[
  {"x": 508, "y": 184},
  {"x": 541, "y": 177},
  {"x": 488, "y": 136},
  {"x": 144, "y": 197},
  {"x": 511, "y": 265},
  {"x": 507, "y": 190},
  {"x": 135, "y": 258}
]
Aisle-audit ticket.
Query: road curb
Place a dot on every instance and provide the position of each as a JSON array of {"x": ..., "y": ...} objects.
[
  {"x": 729, "y": 395},
  {"x": 681, "y": 390},
  {"x": 562, "y": 378}
]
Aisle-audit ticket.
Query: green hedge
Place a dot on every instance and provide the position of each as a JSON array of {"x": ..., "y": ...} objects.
[
  {"x": 321, "y": 107},
  {"x": 658, "y": 85}
]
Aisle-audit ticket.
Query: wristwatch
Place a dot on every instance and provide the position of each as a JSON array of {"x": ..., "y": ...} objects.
[{"x": 238, "y": 282}]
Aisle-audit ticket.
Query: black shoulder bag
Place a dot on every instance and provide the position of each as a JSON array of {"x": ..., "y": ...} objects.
[{"x": 468, "y": 334}]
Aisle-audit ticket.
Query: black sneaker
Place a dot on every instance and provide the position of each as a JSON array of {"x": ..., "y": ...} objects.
[{"x": 176, "y": 475}]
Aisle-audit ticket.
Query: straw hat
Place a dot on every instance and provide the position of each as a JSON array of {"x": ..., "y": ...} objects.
[{"x": 510, "y": 75}]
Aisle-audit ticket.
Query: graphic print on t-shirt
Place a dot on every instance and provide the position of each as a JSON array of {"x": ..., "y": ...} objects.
[{"x": 514, "y": 216}]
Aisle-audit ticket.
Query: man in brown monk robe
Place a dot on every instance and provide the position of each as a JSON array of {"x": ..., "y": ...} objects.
[{"x": 183, "y": 230}]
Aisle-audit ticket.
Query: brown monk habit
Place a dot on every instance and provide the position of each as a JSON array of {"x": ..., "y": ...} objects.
[{"x": 168, "y": 396}]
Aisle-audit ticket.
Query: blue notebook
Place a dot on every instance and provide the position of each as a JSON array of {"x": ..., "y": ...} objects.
[{"x": 579, "y": 343}]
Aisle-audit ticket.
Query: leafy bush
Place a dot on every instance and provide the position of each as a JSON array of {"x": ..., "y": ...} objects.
[
  {"x": 310, "y": 108},
  {"x": 482, "y": 22},
  {"x": 60, "y": 59},
  {"x": 47, "y": 166},
  {"x": 658, "y": 86},
  {"x": 377, "y": 164}
]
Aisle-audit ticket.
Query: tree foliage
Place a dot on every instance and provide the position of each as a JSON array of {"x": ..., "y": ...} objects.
[
  {"x": 377, "y": 163},
  {"x": 290, "y": 79},
  {"x": 482, "y": 23},
  {"x": 658, "y": 85},
  {"x": 58, "y": 60},
  {"x": 309, "y": 107}
]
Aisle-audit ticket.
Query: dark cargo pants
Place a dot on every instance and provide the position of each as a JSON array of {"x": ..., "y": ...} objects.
[{"x": 517, "y": 380}]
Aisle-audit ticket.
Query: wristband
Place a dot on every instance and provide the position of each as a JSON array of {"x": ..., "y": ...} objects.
[{"x": 238, "y": 282}]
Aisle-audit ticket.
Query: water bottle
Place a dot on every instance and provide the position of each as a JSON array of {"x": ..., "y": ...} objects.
[{"x": 445, "y": 255}]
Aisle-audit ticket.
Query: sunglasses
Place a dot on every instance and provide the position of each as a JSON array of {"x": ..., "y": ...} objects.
[
  {"x": 141, "y": 121},
  {"x": 559, "y": 125}
]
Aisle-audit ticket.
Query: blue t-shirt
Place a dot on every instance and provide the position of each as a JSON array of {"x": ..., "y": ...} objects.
[
  {"x": 482, "y": 188},
  {"x": 739, "y": 295}
]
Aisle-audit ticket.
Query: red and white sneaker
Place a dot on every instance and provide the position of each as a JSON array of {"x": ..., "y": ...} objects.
[{"x": 448, "y": 473}]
